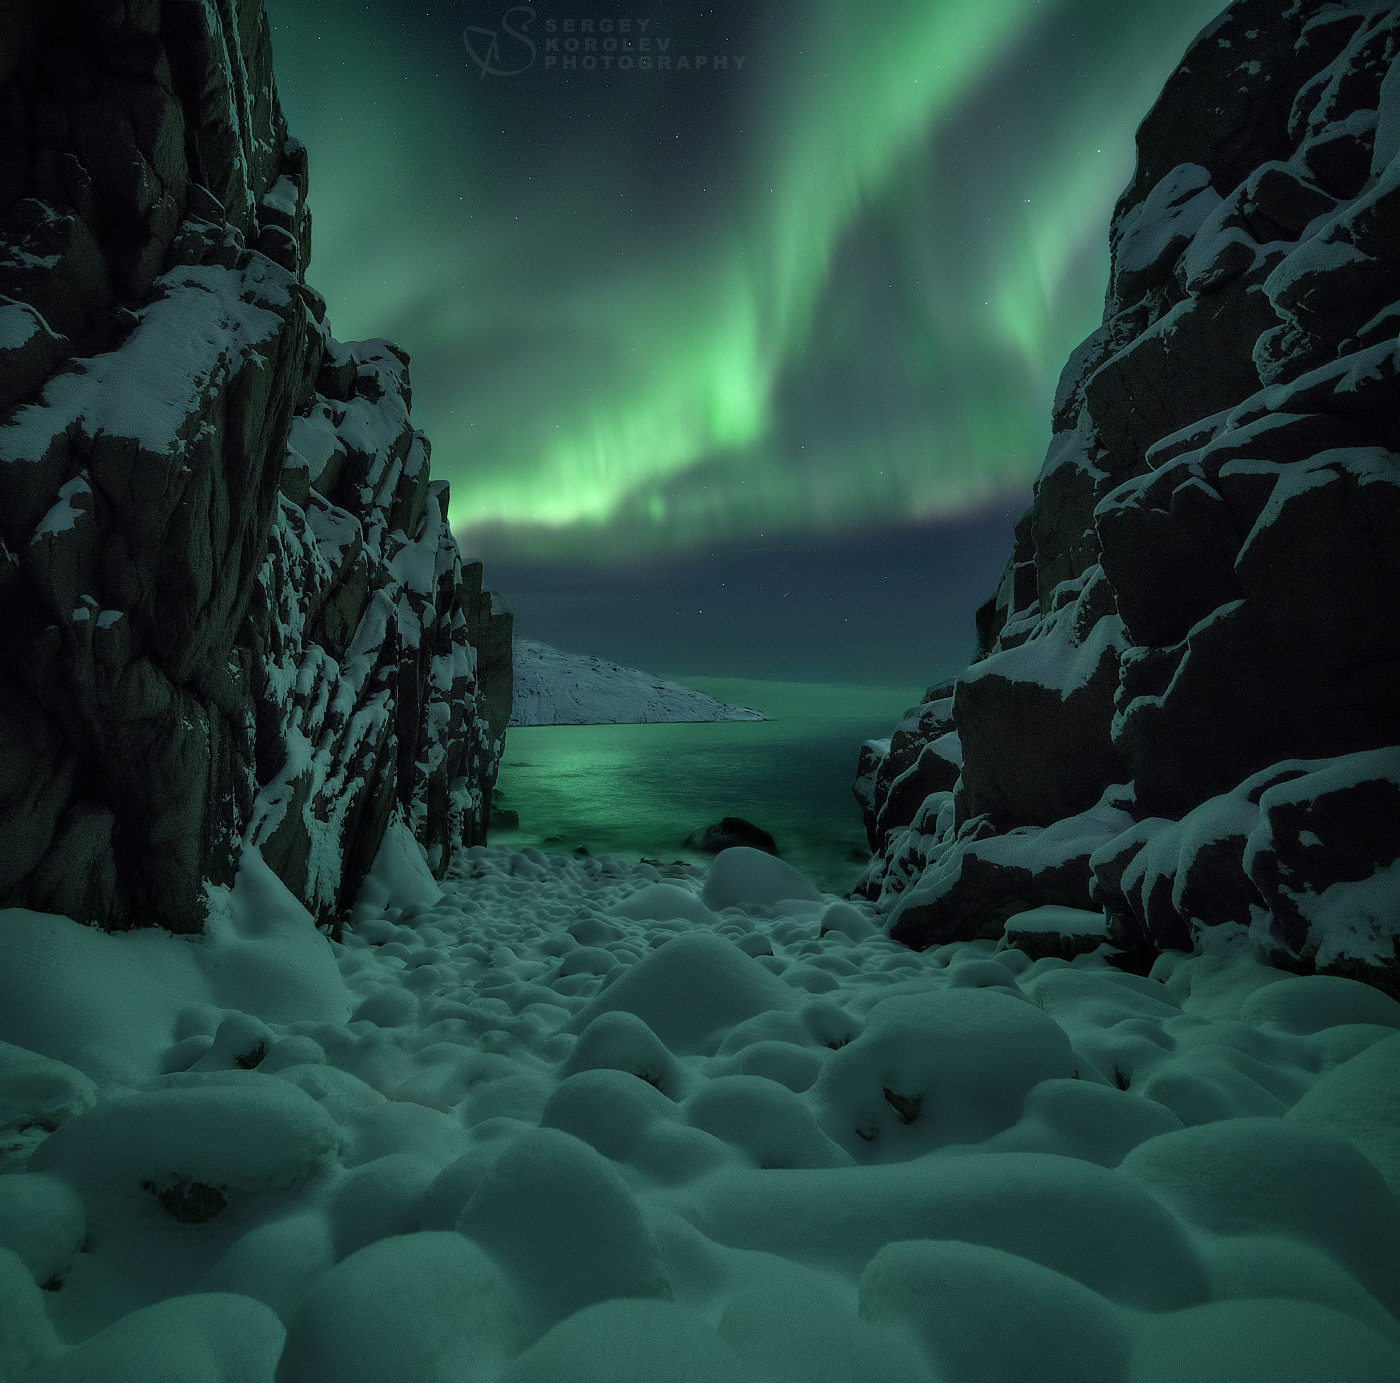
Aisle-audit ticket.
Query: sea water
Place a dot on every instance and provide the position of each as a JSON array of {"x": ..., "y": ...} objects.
[{"x": 640, "y": 790}]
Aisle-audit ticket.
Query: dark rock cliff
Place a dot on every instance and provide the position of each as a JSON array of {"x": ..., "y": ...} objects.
[
  {"x": 233, "y": 610},
  {"x": 1183, "y": 709}
]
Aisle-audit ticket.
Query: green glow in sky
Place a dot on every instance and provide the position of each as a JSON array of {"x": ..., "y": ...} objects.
[{"x": 645, "y": 311}]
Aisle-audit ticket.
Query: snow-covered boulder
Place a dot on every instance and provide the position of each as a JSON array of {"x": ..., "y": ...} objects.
[
  {"x": 1197, "y": 622},
  {"x": 234, "y": 611},
  {"x": 552, "y": 687},
  {"x": 972, "y": 884}
]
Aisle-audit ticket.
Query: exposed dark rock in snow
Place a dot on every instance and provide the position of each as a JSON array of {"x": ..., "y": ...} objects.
[
  {"x": 234, "y": 611},
  {"x": 1183, "y": 708},
  {"x": 732, "y": 830},
  {"x": 552, "y": 687}
]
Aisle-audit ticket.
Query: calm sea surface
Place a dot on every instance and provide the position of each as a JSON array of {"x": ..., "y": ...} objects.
[{"x": 640, "y": 790}]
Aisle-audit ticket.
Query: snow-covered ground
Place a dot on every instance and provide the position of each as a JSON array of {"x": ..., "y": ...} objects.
[
  {"x": 557, "y": 688},
  {"x": 566, "y": 1121}
]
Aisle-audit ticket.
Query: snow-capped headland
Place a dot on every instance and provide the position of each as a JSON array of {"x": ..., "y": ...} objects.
[{"x": 557, "y": 688}]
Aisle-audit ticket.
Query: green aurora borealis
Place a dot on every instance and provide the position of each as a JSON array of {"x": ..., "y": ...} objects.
[
  {"x": 662, "y": 318},
  {"x": 832, "y": 288}
]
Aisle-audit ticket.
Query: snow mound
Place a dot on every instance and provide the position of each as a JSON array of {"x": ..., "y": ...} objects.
[
  {"x": 418, "y": 1308},
  {"x": 743, "y": 877},
  {"x": 565, "y": 1124}
]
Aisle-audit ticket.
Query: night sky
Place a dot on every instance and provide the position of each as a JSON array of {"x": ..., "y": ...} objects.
[{"x": 736, "y": 369}]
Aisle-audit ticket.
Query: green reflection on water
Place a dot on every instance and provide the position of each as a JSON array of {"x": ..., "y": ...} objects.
[{"x": 640, "y": 790}]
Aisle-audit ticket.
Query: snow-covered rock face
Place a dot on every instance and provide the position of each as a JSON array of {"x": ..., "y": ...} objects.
[
  {"x": 552, "y": 687},
  {"x": 233, "y": 610},
  {"x": 1185, "y": 686}
]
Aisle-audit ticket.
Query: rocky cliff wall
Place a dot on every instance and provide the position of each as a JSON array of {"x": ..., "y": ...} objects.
[
  {"x": 233, "y": 610},
  {"x": 1184, "y": 705}
]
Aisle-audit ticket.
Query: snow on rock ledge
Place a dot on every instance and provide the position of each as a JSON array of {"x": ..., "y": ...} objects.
[{"x": 234, "y": 612}]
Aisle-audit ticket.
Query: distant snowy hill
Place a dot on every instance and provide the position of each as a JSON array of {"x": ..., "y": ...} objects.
[{"x": 557, "y": 688}]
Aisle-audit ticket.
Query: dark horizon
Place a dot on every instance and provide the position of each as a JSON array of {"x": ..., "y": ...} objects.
[{"x": 779, "y": 608}]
